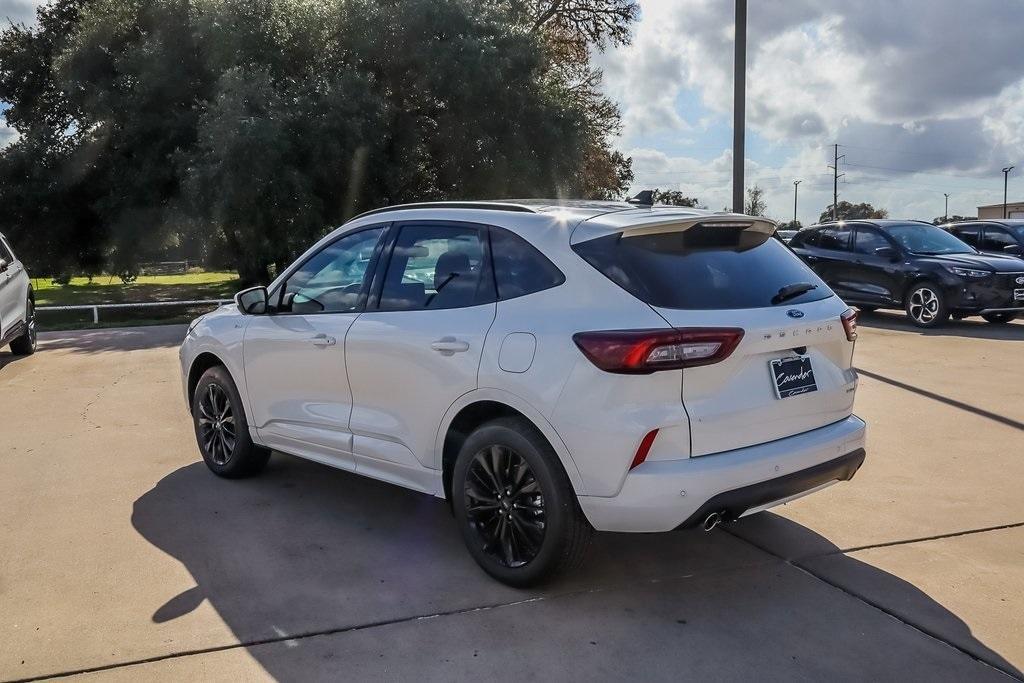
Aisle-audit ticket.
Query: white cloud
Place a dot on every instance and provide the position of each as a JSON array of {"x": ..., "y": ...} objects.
[{"x": 919, "y": 85}]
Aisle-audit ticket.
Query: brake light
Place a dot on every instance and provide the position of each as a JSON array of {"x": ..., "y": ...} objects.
[
  {"x": 642, "y": 352},
  {"x": 849, "y": 318}
]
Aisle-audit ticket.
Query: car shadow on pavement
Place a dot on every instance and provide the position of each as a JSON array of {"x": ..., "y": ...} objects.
[
  {"x": 305, "y": 551},
  {"x": 974, "y": 328}
]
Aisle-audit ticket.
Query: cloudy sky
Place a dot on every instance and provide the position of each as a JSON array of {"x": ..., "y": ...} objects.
[{"x": 924, "y": 97}]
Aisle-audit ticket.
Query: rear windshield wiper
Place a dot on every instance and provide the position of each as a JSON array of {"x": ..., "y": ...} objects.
[{"x": 792, "y": 291}]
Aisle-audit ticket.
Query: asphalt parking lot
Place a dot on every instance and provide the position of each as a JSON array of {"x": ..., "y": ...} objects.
[{"x": 122, "y": 558}]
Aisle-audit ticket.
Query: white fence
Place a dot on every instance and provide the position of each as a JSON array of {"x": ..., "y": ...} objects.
[{"x": 95, "y": 308}]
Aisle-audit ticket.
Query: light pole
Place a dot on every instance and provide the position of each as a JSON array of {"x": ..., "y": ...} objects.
[
  {"x": 945, "y": 215},
  {"x": 739, "y": 104},
  {"x": 1006, "y": 176},
  {"x": 796, "y": 184}
]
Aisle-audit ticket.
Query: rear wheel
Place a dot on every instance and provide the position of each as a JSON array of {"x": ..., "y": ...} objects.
[
  {"x": 25, "y": 345},
  {"x": 999, "y": 318},
  {"x": 222, "y": 431},
  {"x": 515, "y": 506},
  {"x": 925, "y": 305}
]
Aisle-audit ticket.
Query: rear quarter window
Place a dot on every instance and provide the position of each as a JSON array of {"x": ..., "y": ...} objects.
[
  {"x": 519, "y": 268},
  {"x": 684, "y": 271}
]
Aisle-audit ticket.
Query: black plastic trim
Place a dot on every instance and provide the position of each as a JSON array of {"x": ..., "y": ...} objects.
[{"x": 734, "y": 503}]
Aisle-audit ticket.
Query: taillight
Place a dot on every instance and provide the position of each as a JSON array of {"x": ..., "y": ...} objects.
[
  {"x": 641, "y": 352},
  {"x": 849, "y": 318}
]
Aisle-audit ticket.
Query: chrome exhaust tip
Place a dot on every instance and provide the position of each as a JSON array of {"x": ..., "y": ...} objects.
[{"x": 712, "y": 520}]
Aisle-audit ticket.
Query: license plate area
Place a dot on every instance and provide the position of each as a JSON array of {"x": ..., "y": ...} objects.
[{"x": 792, "y": 376}]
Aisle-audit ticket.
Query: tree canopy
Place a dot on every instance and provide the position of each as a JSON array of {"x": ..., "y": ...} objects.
[
  {"x": 247, "y": 128},
  {"x": 847, "y": 211}
]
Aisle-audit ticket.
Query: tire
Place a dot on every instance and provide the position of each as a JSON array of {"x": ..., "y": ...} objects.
[
  {"x": 926, "y": 306},
  {"x": 1000, "y": 318},
  {"x": 548, "y": 534},
  {"x": 25, "y": 345},
  {"x": 222, "y": 431}
]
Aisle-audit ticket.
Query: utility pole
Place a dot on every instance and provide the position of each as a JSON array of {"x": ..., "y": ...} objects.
[
  {"x": 836, "y": 175},
  {"x": 945, "y": 216},
  {"x": 796, "y": 184},
  {"x": 1006, "y": 176},
  {"x": 739, "y": 105}
]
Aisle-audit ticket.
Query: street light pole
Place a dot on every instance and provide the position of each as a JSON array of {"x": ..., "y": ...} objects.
[
  {"x": 1006, "y": 176},
  {"x": 796, "y": 184},
  {"x": 739, "y": 104},
  {"x": 945, "y": 215}
]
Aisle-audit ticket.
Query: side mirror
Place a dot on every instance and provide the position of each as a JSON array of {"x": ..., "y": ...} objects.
[
  {"x": 887, "y": 252},
  {"x": 253, "y": 301},
  {"x": 1013, "y": 249},
  {"x": 4, "y": 265}
]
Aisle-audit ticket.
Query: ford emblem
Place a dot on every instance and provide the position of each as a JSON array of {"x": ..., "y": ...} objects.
[
  {"x": 794, "y": 313},
  {"x": 1020, "y": 280}
]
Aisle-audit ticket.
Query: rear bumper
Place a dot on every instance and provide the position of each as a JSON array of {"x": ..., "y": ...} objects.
[{"x": 669, "y": 494}]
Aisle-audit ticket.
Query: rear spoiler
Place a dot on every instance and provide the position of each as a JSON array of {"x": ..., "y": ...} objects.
[{"x": 755, "y": 229}]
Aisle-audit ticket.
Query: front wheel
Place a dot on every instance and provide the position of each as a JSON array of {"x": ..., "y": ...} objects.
[
  {"x": 221, "y": 428},
  {"x": 515, "y": 506},
  {"x": 926, "y": 306},
  {"x": 25, "y": 345},
  {"x": 1000, "y": 318}
]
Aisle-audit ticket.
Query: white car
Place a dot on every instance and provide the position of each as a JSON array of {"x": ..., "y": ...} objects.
[
  {"x": 547, "y": 367},
  {"x": 17, "y": 304}
]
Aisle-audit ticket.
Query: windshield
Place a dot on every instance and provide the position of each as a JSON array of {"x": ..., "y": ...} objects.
[
  {"x": 921, "y": 238},
  {"x": 1017, "y": 229}
]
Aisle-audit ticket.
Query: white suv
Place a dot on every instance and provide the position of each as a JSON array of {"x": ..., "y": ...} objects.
[
  {"x": 17, "y": 304},
  {"x": 549, "y": 368}
]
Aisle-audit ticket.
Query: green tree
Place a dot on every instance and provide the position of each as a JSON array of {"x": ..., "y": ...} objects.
[
  {"x": 847, "y": 211},
  {"x": 674, "y": 198},
  {"x": 253, "y": 127}
]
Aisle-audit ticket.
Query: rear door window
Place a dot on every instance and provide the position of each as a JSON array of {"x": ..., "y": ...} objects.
[
  {"x": 684, "y": 271},
  {"x": 969, "y": 233},
  {"x": 835, "y": 238}
]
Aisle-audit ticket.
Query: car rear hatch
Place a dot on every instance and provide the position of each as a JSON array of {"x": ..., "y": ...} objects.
[{"x": 791, "y": 371}]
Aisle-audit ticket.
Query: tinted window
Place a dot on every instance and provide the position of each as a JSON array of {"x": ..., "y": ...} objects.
[
  {"x": 806, "y": 238},
  {"x": 519, "y": 268},
  {"x": 921, "y": 238},
  {"x": 672, "y": 271},
  {"x": 968, "y": 233},
  {"x": 836, "y": 238},
  {"x": 996, "y": 238},
  {"x": 5, "y": 252},
  {"x": 332, "y": 280},
  {"x": 867, "y": 241},
  {"x": 436, "y": 266}
]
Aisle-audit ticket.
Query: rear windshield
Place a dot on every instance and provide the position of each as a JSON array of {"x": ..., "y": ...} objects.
[{"x": 688, "y": 271}]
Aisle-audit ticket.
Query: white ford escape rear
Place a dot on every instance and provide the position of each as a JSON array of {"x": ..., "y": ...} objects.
[{"x": 548, "y": 367}]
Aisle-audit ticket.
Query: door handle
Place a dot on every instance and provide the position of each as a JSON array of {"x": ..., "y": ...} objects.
[
  {"x": 323, "y": 340},
  {"x": 449, "y": 345}
]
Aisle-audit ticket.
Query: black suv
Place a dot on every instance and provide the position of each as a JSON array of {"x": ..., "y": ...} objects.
[
  {"x": 991, "y": 237},
  {"x": 915, "y": 266}
]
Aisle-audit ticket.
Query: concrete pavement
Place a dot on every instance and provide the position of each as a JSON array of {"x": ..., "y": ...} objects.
[{"x": 122, "y": 558}]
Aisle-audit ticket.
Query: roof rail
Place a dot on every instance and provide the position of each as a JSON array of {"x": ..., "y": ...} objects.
[{"x": 493, "y": 206}]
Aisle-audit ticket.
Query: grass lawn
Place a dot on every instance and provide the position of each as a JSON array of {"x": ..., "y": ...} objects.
[{"x": 148, "y": 288}]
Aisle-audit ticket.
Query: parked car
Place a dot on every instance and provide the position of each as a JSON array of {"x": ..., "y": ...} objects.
[
  {"x": 786, "y": 235},
  {"x": 17, "y": 303},
  {"x": 992, "y": 237},
  {"x": 549, "y": 368},
  {"x": 915, "y": 266}
]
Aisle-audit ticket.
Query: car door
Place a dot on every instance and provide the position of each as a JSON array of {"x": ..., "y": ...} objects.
[
  {"x": 876, "y": 277},
  {"x": 12, "y": 301},
  {"x": 294, "y": 356},
  {"x": 417, "y": 347},
  {"x": 828, "y": 254}
]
